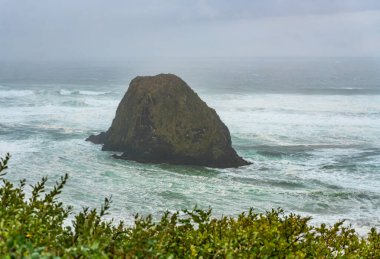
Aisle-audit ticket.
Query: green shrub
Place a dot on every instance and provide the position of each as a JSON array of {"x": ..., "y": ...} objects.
[{"x": 35, "y": 228}]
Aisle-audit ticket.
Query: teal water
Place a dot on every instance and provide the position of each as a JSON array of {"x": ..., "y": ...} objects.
[{"x": 311, "y": 128}]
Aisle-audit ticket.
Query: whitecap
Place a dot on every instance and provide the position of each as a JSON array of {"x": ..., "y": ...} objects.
[
  {"x": 65, "y": 92},
  {"x": 92, "y": 93},
  {"x": 81, "y": 92}
]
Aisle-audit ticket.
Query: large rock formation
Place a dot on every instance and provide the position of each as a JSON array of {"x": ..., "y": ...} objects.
[{"x": 162, "y": 120}]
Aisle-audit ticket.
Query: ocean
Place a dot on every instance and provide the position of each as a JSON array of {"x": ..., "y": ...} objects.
[{"x": 310, "y": 126}]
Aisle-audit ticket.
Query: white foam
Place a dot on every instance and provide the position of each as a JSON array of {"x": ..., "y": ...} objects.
[
  {"x": 301, "y": 119},
  {"x": 20, "y": 146}
]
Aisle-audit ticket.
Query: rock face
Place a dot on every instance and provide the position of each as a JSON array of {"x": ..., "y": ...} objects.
[{"x": 162, "y": 120}]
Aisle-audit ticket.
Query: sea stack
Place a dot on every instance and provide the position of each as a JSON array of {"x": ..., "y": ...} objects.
[{"x": 162, "y": 120}]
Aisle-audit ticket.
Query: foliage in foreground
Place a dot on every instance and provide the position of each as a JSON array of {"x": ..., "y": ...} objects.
[{"x": 35, "y": 228}]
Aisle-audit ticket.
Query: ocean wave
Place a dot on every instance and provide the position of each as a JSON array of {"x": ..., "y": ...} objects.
[
  {"x": 271, "y": 183},
  {"x": 39, "y": 131},
  {"x": 92, "y": 93},
  {"x": 65, "y": 92},
  {"x": 295, "y": 150},
  {"x": 82, "y": 92},
  {"x": 15, "y": 93},
  {"x": 355, "y": 195},
  {"x": 75, "y": 103},
  {"x": 7, "y": 93}
]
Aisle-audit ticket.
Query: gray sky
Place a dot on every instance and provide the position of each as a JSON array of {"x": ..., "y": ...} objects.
[{"x": 119, "y": 29}]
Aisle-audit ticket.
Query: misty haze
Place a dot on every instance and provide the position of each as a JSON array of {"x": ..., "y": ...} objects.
[{"x": 295, "y": 86}]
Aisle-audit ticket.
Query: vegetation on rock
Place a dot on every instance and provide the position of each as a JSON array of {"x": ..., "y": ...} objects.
[{"x": 34, "y": 227}]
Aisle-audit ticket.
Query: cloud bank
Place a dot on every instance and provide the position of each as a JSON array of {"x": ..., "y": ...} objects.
[{"x": 116, "y": 29}]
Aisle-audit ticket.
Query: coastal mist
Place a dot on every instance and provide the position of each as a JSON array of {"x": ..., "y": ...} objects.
[{"x": 309, "y": 126}]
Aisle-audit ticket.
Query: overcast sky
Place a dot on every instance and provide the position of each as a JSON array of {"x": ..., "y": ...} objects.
[{"x": 119, "y": 29}]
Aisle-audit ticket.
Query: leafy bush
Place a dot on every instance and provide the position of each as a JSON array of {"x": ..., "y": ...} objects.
[{"x": 35, "y": 228}]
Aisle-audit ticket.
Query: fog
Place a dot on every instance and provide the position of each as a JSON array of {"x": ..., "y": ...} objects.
[{"x": 116, "y": 29}]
